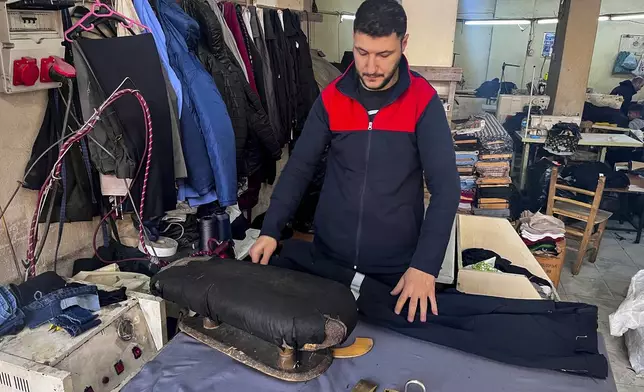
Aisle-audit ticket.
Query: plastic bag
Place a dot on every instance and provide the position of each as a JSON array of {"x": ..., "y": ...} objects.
[
  {"x": 630, "y": 62},
  {"x": 639, "y": 71},
  {"x": 537, "y": 184},
  {"x": 626, "y": 62},
  {"x": 628, "y": 320}
]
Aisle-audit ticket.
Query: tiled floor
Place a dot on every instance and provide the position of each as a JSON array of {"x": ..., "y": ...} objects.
[{"x": 605, "y": 284}]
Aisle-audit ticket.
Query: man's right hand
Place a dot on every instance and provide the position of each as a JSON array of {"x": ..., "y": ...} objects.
[{"x": 263, "y": 249}]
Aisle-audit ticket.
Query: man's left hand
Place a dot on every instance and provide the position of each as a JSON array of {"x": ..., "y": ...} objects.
[{"x": 416, "y": 286}]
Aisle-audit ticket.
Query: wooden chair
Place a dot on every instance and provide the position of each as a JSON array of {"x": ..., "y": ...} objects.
[{"x": 589, "y": 214}]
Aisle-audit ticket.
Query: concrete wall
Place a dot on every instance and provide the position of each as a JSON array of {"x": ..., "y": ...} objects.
[
  {"x": 482, "y": 49},
  {"x": 431, "y": 28},
  {"x": 20, "y": 119}
]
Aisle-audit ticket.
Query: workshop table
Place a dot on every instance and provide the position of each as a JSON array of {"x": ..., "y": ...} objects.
[
  {"x": 636, "y": 188},
  {"x": 602, "y": 140},
  {"x": 186, "y": 365}
]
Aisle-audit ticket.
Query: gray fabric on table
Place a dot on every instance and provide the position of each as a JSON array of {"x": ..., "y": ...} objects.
[{"x": 186, "y": 365}]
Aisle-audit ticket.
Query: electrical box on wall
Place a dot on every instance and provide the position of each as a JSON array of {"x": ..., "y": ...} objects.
[{"x": 31, "y": 39}]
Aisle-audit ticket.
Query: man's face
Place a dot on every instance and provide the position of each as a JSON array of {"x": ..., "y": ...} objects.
[
  {"x": 633, "y": 114},
  {"x": 377, "y": 58},
  {"x": 638, "y": 85}
]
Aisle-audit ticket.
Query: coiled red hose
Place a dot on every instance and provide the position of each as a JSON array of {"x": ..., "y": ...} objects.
[{"x": 55, "y": 173}]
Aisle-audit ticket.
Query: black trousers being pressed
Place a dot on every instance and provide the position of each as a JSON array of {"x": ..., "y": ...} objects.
[{"x": 533, "y": 333}]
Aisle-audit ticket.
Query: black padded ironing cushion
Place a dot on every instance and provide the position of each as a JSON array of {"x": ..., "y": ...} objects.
[{"x": 278, "y": 305}]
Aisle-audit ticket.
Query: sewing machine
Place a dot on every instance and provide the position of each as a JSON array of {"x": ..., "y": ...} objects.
[{"x": 102, "y": 359}]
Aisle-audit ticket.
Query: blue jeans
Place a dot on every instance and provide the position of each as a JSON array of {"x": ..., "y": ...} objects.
[
  {"x": 11, "y": 318},
  {"x": 53, "y": 304},
  {"x": 76, "y": 320}
]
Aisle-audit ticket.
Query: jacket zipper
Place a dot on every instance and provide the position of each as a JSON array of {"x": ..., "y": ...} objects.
[
  {"x": 362, "y": 192},
  {"x": 364, "y": 182}
]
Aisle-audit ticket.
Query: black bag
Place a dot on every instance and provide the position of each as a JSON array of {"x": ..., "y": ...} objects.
[{"x": 563, "y": 139}]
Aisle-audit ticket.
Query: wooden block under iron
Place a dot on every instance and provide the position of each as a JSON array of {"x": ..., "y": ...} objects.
[{"x": 284, "y": 364}]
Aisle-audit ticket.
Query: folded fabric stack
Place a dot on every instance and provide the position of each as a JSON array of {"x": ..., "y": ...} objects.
[
  {"x": 466, "y": 143},
  {"x": 494, "y": 198},
  {"x": 541, "y": 233},
  {"x": 467, "y": 199},
  {"x": 493, "y": 169},
  {"x": 499, "y": 169},
  {"x": 470, "y": 127},
  {"x": 465, "y": 161}
]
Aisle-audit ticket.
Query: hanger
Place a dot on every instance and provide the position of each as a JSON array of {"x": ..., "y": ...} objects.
[{"x": 100, "y": 11}]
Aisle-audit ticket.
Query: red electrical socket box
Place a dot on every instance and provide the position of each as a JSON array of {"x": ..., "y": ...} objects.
[
  {"x": 25, "y": 71},
  {"x": 45, "y": 63}
]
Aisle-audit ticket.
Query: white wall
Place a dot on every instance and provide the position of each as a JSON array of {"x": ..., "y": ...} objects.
[{"x": 509, "y": 43}]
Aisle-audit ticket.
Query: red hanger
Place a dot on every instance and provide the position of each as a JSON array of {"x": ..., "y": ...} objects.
[{"x": 93, "y": 13}]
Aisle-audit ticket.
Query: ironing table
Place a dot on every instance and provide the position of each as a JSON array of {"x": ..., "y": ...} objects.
[{"x": 186, "y": 365}]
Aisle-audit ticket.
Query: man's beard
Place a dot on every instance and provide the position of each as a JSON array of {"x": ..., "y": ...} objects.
[{"x": 384, "y": 82}]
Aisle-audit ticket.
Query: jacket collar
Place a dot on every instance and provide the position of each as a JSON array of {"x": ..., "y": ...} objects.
[{"x": 348, "y": 83}]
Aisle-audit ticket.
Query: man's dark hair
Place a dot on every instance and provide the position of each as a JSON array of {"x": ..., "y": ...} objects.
[
  {"x": 381, "y": 18},
  {"x": 636, "y": 107}
]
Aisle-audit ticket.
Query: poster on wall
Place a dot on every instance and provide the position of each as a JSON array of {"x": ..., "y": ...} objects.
[{"x": 548, "y": 44}]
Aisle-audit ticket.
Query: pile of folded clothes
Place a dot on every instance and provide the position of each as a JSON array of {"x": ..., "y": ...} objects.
[
  {"x": 493, "y": 169},
  {"x": 542, "y": 233},
  {"x": 466, "y": 142},
  {"x": 465, "y": 162},
  {"x": 468, "y": 194},
  {"x": 469, "y": 127},
  {"x": 48, "y": 298}
]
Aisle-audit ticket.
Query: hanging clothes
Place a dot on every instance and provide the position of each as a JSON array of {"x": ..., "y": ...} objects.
[
  {"x": 208, "y": 136},
  {"x": 110, "y": 62},
  {"x": 247, "y": 115},
  {"x": 253, "y": 53},
  {"x": 126, "y": 8},
  {"x": 230, "y": 15},
  {"x": 306, "y": 90},
  {"x": 276, "y": 45},
  {"x": 269, "y": 90},
  {"x": 75, "y": 198},
  {"x": 148, "y": 17},
  {"x": 228, "y": 36}
]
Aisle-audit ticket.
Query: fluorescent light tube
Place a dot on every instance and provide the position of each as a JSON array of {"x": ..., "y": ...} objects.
[
  {"x": 347, "y": 17},
  {"x": 603, "y": 18},
  {"x": 548, "y": 21},
  {"x": 627, "y": 17},
  {"x": 493, "y": 22}
]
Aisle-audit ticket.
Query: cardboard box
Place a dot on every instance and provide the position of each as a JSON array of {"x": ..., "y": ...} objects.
[{"x": 499, "y": 236}]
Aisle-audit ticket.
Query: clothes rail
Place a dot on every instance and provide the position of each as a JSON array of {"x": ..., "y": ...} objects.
[{"x": 312, "y": 16}]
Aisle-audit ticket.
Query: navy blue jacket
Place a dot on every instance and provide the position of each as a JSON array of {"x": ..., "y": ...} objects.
[
  {"x": 207, "y": 134},
  {"x": 370, "y": 213}
]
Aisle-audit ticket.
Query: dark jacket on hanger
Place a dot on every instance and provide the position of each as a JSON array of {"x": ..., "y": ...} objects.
[
  {"x": 109, "y": 64},
  {"x": 306, "y": 90},
  {"x": 283, "y": 72},
  {"x": 80, "y": 204},
  {"x": 230, "y": 14},
  {"x": 243, "y": 104},
  {"x": 255, "y": 58},
  {"x": 269, "y": 89}
]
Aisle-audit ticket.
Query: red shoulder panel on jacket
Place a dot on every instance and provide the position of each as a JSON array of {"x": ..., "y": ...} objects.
[
  {"x": 404, "y": 114},
  {"x": 345, "y": 114}
]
